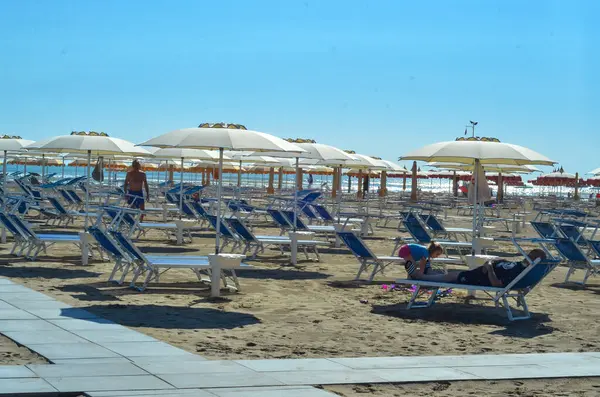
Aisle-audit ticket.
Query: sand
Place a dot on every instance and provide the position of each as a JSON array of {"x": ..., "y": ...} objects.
[
  {"x": 13, "y": 354},
  {"x": 314, "y": 310}
]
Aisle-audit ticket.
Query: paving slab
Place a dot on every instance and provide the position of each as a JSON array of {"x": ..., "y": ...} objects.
[
  {"x": 71, "y": 324},
  {"x": 423, "y": 374},
  {"x": 280, "y": 365},
  {"x": 5, "y": 281},
  {"x": 167, "y": 359},
  {"x": 65, "y": 313},
  {"x": 10, "y": 387},
  {"x": 327, "y": 377},
  {"x": 16, "y": 314},
  {"x": 72, "y": 350},
  {"x": 529, "y": 371},
  {"x": 167, "y": 392},
  {"x": 6, "y": 305},
  {"x": 15, "y": 371},
  {"x": 11, "y": 297},
  {"x": 48, "y": 336},
  {"x": 13, "y": 288},
  {"x": 246, "y": 379},
  {"x": 26, "y": 325},
  {"x": 286, "y": 391},
  {"x": 83, "y": 361},
  {"x": 99, "y": 383},
  {"x": 144, "y": 349},
  {"x": 45, "y": 304},
  {"x": 89, "y": 369},
  {"x": 114, "y": 335},
  {"x": 194, "y": 367}
]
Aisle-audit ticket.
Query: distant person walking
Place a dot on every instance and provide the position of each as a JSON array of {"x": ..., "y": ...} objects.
[{"x": 135, "y": 184}]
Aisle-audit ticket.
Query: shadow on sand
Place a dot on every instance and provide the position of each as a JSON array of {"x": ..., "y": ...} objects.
[
  {"x": 459, "y": 313},
  {"x": 169, "y": 317},
  {"x": 63, "y": 273}
]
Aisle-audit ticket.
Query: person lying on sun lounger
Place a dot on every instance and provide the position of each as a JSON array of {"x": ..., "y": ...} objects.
[
  {"x": 418, "y": 258},
  {"x": 497, "y": 273}
]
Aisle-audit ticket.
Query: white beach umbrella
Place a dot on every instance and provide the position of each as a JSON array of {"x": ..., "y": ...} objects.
[
  {"x": 12, "y": 144},
  {"x": 96, "y": 144},
  {"x": 222, "y": 137},
  {"x": 477, "y": 151},
  {"x": 482, "y": 151}
]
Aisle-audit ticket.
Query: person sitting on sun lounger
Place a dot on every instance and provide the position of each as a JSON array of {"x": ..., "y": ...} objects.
[
  {"x": 497, "y": 273},
  {"x": 418, "y": 258}
]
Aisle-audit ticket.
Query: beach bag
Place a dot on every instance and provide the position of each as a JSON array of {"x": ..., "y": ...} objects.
[{"x": 98, "y": 172}]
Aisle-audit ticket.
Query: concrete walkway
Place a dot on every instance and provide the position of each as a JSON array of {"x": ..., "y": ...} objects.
[{"x": 100, "y": 358}]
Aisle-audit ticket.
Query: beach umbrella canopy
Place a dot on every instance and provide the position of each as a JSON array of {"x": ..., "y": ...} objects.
[
  {"x": 482, "y": 150},
  {"x": 91, "y": 143},
  {"x": 488, "y": 167},
  {"x": 184, "y": 153},
  {"x": 478, "y": 151},
  {"x": 223, "y": 137},
  {"x": 94, "y": 144},
  {"x": 365, "y": 162}
]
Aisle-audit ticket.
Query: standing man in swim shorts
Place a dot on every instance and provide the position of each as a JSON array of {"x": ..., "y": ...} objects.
[{"x": 135, "y": 183}]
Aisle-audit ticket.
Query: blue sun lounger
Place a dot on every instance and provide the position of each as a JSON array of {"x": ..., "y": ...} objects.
[
  {"x": 516, "y": 291},
  {"x": 378, "y": 263},
  {"x": 152, "y": 266},
  {"x": 576, "y": 259},
  {"x": 259, "y": 242}
]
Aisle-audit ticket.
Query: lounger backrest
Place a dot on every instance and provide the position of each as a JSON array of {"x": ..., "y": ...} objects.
[
  {"x": 545, "y": 229},
  {"x": 595, "y": 244},
  {"x": 290, "y": 217},
  {"x": 307, "y": 210},
  {"x": 57, "y": 205},
  {"x": 534, "y": 274},
  {"x": 280, "y": 219},
  {"x": 323, "y": 213},
  {"x": 18, "y": 222},
  {"x": 241, "y": 229},
  {"x": 573, "y": 232},
  {"x": 225, "y": 231},
  {"x": 199, "y": 208},
  {"x": 417, "y": 231},
  {"x": 433, "y": 222},
  {"x": 12, "y": 228},
  {"x": 105, "y": 241},
  {"x": 128, "y": 246},
  {"x": 356, "y": 245},
  {"x": 310, "y": 197},
  {"x": 569, "y": 250},
  {"x": 75, "y": 196},
  {"x": 65, "y": 195},
  {"x": 187, "y": 209}
]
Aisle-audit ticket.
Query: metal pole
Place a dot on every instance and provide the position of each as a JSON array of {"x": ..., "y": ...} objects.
[
  {"x": 181, "y": 190},
  {"x": 219, "y": 187},
  {"x": 3, "y": 239},
  {"x": 87, "y": 188}
]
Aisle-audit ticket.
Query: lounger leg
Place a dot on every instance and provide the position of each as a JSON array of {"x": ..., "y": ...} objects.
[
  {"x": 376, "y": 266},
  {"x": 362, "y": 268},
  {"x": 507, "y": 307},
  {"x": 569, "y": 272},
  {"x": 413, "y": 298},
  {"x": 588, "y": 272},
  {"x": 317, "y": 254},
  {"x": 114, "y": 270},
  {"x": 305, "y": 253},
  {"x": 432, "y": 298},
  {"x": 124, "y": 273},
  {"x": 235, "y": 280}
]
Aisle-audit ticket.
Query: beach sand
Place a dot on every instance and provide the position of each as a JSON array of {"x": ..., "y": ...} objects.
[
  {"x": 314, "y": 310},
  {"x": 13, "y": 354}
]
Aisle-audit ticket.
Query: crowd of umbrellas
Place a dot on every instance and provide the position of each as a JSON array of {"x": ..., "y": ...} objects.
[{"x": 230, "y": 144}]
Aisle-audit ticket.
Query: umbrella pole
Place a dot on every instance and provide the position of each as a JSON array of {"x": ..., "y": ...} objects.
[
  {"x": 219, "y": 192},
  {"x": 181, "y": 190},
  {"x": 63, "y": 168},
  {"x": 475, "y": 204},
  {"x": 87, "y": 188},
  {"x": 294, "y": 247},
  {"x": 3, "y": 239},
  {"x": 239, "y": 182}
]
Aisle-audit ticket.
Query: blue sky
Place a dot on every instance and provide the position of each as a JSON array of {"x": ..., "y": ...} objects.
[{"x": 379, "y": 77}]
